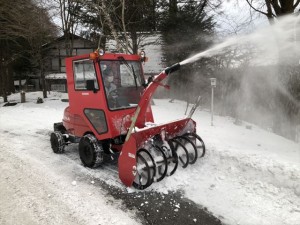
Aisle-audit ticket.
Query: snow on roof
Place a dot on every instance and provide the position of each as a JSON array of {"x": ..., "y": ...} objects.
[{"x": 56, "y": 76}]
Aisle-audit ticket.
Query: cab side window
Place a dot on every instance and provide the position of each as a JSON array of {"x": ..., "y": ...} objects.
[{"x": 84, "y": 73}]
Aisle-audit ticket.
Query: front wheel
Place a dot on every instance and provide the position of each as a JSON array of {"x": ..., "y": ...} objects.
[{"x": 90, "y": 151}]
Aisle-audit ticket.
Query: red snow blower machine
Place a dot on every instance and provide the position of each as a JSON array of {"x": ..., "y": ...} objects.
[{"x": 110, "y": 112}]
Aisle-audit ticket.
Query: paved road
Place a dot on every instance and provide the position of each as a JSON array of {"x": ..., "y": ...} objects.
[{"x": 165, "y": 209}]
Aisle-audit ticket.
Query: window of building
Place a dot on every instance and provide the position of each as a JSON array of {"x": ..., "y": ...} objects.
[
  {"x": 58, "y": 87},
  {"x": 55, "y": 64},
  {"x": 63, "y": 65}
]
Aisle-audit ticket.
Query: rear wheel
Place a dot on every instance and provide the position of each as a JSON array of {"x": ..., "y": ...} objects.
[
  {"x": 90, "y": 151},
  {"x": 57, "y": 142}
]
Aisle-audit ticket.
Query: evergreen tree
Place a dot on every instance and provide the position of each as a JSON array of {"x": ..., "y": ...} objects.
[{"x": 186, "y": 29}]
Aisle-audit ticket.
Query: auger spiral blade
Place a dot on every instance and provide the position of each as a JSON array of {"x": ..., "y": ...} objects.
[
  {"x": 143, "y": 178},
  {"x": 198, "y": 142},
  {"x": 190, "y": 146},
  {"x": 181, "y": 151}
]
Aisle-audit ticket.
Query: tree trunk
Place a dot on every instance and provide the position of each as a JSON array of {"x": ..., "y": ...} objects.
[
  {"x": 10, "y": 80},
  {"x": 110, "y": 24},
  {"x": 3, "y": 88},
  {"x": 124, "y": 27},
  {"x": 43, "y": 81},
  {"x": 134, "y": 42},
  {"x": 173, "y": 8},
  {"x": 44, "y": 86},
  {"x": 5, "y": 83}
]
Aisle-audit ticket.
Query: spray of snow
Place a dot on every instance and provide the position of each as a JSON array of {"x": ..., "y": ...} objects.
[
  {"x": 269, "y": 49},
  {"x": 283, "y": 34}
]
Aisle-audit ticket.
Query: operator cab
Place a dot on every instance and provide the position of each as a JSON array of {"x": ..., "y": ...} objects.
[
  {"x": 122, "y": 80},
  {"x": 104, "y": 91}
]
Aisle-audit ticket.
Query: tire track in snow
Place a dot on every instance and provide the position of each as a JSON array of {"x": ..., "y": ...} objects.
[{"x": 43, "y": 192}]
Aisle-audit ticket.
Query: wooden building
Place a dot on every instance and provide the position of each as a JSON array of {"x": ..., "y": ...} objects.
[{"x": 55, "y": 54}]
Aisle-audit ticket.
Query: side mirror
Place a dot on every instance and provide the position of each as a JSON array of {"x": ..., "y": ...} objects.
[{"x": 90, "y": 86}]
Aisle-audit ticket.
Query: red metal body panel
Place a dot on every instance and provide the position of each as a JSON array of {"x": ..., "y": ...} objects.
[{"x": 76, "y": 122}]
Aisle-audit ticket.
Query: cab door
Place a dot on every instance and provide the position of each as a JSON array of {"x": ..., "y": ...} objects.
[{"x": 86, "y": 96}]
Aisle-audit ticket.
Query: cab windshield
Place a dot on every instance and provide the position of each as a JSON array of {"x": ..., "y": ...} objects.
[{"x": 122, "y": 82}]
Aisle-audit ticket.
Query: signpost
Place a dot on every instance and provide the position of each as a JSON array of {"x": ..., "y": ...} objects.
[{"x": 213, "y": 83}]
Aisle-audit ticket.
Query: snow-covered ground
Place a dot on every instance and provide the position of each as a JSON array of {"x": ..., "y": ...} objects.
[{"x": 248, "y": 176}]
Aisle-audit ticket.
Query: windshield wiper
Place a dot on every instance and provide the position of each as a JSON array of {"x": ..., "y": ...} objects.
[
  {"x": 130, "y": 68},
  {"x": 134, "y": 75}
]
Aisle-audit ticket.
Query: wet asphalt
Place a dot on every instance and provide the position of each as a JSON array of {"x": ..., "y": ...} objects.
[
  {"x": 163, "y": 209},
  {"x": 152, "y": 207}
]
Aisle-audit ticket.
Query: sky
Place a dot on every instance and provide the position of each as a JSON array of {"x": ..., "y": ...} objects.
[{"x": 236, "y": 18}]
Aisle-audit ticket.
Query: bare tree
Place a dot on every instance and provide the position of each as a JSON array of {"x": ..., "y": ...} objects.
[
  {"x": 67, "y": 12},
  {"x": 107, "y": 9},
  {"x": 40, "y": 32},
  {"x": 13, "y": 33},
  {"x": 24, "y": 28},
  {"x": 123, "y": 20},
  {"x": 273, "y": 8}
]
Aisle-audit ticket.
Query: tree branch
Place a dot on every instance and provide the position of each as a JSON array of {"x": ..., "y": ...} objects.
[
  {"x": 275, "y": 5},
  {"x": 296, "y": 4},
  {"x": 255, "y": 9}
]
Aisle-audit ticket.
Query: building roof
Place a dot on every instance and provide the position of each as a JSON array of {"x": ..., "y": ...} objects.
[{"x": 73, "y": 36}]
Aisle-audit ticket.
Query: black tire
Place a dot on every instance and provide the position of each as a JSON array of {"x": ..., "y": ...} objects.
[
  {"x": 90, "y": 151},
  {"x": 57, "y": 142}
]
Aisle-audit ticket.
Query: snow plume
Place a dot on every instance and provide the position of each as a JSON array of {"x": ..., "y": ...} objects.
[
  {"x": 264, "y": 69},
  {"x": 271, "y": 43}
]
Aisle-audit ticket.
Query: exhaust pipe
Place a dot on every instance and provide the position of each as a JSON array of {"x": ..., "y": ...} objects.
[{"x": 172, "y": 68}]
